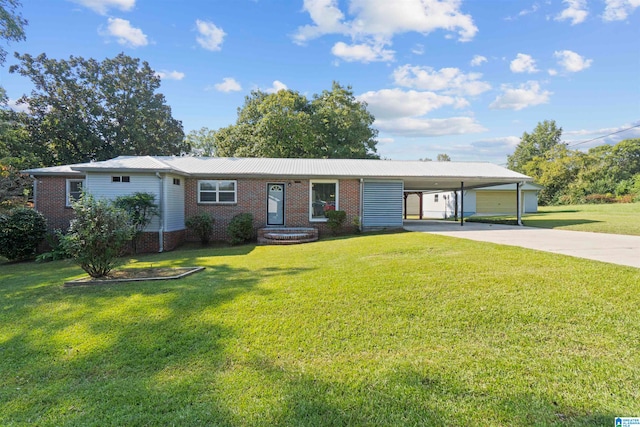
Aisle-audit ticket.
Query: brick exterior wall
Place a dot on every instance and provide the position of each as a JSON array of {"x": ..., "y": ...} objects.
[
  {"x": 51, "y": 200},
  {"x": 252, "y": 198}
]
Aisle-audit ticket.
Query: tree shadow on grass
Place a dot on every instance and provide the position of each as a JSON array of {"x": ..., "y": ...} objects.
[
  {"x": 404, "y": 396},
  {"x": 146, "y": 353}
]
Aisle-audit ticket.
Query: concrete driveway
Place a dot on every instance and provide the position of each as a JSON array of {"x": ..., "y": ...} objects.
[{"x": 613, "y": 248}]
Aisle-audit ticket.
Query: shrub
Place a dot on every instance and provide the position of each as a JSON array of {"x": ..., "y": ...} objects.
[
  {"x": 627, "y": 198},
  {"x": 336, "y": 218},
  {"x": 57, "y": 252},
  {"x": 357, "y": 225},
  {"x": 20, "y": 233},
  {"x": 141, "y": 209},
  {"x": 596, "y": 199},
  {"x": 240, "y": 228},
  {"x": 202, "y": 225},
  {"x": 97, "y": 235}
]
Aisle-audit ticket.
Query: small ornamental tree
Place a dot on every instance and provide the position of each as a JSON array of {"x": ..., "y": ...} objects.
[
  {"x": 202, "y": 225},
  {"x": 97, "y": 235},
  {"x": 20, "y": 232},
  {"x": 141, "y": 209}
]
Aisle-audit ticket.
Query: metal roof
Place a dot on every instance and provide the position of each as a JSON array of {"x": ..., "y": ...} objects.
[
  {"x": 417, "y": 175},
  {"x": 53, "y": 170}
]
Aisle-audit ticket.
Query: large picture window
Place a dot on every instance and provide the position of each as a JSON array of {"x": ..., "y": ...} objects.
[
  {"x": 74, "y": 190},
  {"x": 217, "y": 191},
  {"x": 323, "y": 197}
]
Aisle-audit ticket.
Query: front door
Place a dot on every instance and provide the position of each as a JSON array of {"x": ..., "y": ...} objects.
[{"x": 275, "y": 204}]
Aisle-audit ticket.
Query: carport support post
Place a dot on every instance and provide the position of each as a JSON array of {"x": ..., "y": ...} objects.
[
  {"x": 461, "y": 203},
  {"x": 518, "y": 209}
]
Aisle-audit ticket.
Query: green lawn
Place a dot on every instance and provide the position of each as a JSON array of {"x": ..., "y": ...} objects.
[
  {"x": 392, "y": 329},
  {"x": 618, "y": 218}
]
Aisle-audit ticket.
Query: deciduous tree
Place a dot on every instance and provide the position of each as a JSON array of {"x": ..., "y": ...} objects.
[
  {"x": 86, "y": 110},
  {"x": 544, "y": 137},
  {"x": 286, "y": 124}
]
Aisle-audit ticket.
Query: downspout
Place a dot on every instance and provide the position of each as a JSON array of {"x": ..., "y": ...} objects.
[
  {"x": 518, "y": 202},
  {"x": 160, "y": 211},
  {"x": 361, "y": 208},
  {"x": 35, "y": 192}
]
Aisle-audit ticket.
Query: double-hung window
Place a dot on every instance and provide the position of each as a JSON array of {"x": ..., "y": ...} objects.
[
  {"x": 212, "y": 191},
  {"x": 323, "y": 197},
  {"x": 74, "y": 190}
]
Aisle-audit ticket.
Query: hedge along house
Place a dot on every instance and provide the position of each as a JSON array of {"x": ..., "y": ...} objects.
[{"x": 279, "y": 193}]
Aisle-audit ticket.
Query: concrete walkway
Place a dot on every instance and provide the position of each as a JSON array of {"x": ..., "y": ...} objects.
[{"x": 613, "y": 248}]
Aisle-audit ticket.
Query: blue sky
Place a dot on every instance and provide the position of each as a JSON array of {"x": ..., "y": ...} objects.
[{"x": 465, "y": 78}]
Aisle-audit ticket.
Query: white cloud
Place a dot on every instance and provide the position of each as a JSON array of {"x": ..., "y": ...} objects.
[
  {"x": 102, "y": 6},
  {"x": 170, "y": 75},
  {"x": 228, "y": 84},
  {"x": 277, "y": 86},
  {"x": 423, "y": 127},
  {"x": 395, "y": 103},
  {"x": 576, "y": 11},
  {"x": 327, "y": 18},
  {"x": 18, "y": 107},
  {"x": 619, "y": 10},
  {"x": 571, "y": 61},
  {"x": 211, "y": 36},
  {"x": 361, "y": 52},
  {"x": 506, "y": 144},
  {"x": 126, "y": 34},
  {"x": 478, "y": 60},
  {"x": 374, "y": 23},
  {"x": 523, "y": 64},
  {"x": 418, "y": 49},
  {"x": 552, "y": 72},
  {"x": 534, "y": 8},
  {"x": 526, "y": 95},
  {"x": 448, "y": 80}
]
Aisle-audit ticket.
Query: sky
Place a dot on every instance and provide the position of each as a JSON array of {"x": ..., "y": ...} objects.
[{"x": 465, "y": 78}]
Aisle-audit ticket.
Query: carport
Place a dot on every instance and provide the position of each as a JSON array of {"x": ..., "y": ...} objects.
[{"x": 461, "y": 176}]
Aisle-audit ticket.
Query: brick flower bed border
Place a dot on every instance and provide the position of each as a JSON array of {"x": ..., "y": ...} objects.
[{"x": 180, "y": 273}]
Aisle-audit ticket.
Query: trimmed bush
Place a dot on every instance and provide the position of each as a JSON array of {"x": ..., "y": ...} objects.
[
  {"x": 98, "y": 235},
  {"x": 240, "y": 228},
  {"x": 20, "y": 233},
  {"x": 335, "y": 221},
  {"x": 202, "y": 225}
]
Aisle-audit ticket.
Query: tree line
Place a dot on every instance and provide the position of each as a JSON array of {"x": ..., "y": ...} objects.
[{"x": 606, "y": 173}]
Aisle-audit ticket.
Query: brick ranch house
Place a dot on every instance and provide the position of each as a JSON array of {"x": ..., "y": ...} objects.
[{"x": 277, "y": 192}]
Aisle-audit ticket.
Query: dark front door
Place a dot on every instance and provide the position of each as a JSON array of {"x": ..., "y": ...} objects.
[{"x": 275, "y": 204}]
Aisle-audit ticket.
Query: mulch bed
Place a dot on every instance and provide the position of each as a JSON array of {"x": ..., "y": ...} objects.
[{"x": 136, "y": 275}]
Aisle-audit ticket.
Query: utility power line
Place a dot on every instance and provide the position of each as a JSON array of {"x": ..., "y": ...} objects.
[{"x": 603, "y": 136}]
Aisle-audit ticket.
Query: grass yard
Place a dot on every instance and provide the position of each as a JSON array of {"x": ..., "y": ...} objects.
[
  {"x": 618, "y": 218},
  {"x": 393, "y": 329}
]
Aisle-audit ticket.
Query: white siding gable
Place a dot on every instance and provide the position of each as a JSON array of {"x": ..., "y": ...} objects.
[
  {"x": 101, "y": 186},
  {"x": 173, "y": 203}
]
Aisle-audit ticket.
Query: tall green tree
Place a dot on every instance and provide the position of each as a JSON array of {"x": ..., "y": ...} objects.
[
  {"x": 11, "y": 30},
  {"x": 342, "y": 125},
  {"x": 84, "y": 110},
  {"x": 202, "y": 142},
  {"x": 444, "y": 157},
  {"x": 544, "y": 137},
  {"x": 286, "y": 124}
]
